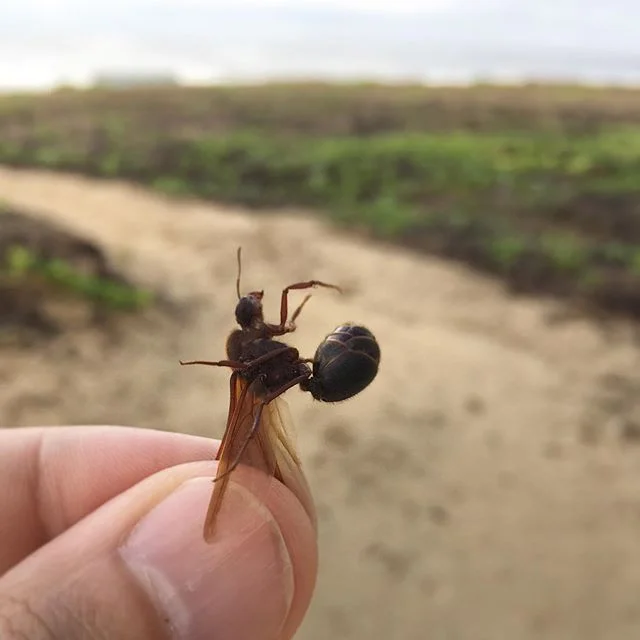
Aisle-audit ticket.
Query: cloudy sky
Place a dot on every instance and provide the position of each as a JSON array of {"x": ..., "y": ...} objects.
[{"x": 44, "y": 42}]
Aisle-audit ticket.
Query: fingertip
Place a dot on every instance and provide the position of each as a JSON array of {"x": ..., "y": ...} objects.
[
  {"x": 297, "y": 523},
  {"x": 254, "y": 579},
  {"x": 139, "y": 563},
  {"x": 292, "y": 507}
]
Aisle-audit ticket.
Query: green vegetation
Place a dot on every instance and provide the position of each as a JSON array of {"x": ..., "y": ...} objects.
[
  {"x": 21, "y": 264},
  {"x": 539, "y": 185}
]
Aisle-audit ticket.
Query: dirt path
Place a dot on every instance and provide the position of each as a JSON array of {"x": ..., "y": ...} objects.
[{"x": 487, "y": 486}]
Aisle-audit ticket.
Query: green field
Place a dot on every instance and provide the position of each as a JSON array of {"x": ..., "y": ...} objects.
[
  {"x": 41, "y": 263},
  {"x": 539, "y": 185}
]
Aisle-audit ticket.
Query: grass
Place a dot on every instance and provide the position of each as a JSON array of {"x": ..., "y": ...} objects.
[
  {"x": 320, "y": 109},
  {"x": 21, "y": 265},
  {"x": 537, "y": 185}
]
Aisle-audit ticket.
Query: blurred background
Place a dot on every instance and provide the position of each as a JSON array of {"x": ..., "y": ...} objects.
[{"x": 470, "y": 173}]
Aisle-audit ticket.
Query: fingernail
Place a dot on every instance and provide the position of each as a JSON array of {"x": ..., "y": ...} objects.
[{"x": 238, "y": 587}]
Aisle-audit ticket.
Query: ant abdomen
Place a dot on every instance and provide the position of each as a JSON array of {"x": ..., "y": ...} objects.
[{"x": 345, "y": 363}]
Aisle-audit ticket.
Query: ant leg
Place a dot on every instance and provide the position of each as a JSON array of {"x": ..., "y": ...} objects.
[
  {"x": 296, "y": 313},
  {"x": 284, "y": 306},
  {"x": 285, "y": 387},
  {"x": 251, "y": 433},
  {"x": 242, "y": 366},
  {"x": 233, "y": 364},
  {"x": 265, "y": 357},
  {"x": 277, "y": 330},
  {"x": 256, "y": 422}
]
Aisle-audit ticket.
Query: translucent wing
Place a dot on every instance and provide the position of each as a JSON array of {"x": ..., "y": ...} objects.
[
  {"x": 271, "y": 451},
  {"x": 278, "y": 435}
]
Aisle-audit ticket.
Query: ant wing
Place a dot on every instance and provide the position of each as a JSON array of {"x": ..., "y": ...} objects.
[
  {"x": 242, "y": 404},
  {"x": 278, "y": 436},
  {"x": 270, "y": 452}
]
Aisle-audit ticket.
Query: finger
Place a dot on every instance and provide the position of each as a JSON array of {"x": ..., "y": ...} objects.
[
  {"x": 52, "y": 477},
  {"x": 138, "y": 567}
]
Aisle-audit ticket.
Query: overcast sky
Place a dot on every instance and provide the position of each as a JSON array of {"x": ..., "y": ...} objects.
[{"x": 44, "y": 42}]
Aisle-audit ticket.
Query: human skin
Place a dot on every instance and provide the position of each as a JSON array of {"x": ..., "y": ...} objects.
[{"x": 101, "y": 537}]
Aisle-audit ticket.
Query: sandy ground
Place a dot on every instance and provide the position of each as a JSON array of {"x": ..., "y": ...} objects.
[{"x": 486, "y": 486}]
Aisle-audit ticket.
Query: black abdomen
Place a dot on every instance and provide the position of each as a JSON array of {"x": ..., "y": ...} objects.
[{"x": 346, "y": 362}]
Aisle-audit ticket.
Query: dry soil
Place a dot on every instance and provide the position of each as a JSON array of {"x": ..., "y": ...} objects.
[{"x": 486, "y": 486}]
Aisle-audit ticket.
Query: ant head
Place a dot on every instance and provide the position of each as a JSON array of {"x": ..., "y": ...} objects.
[
  {"x": 249, "y": 307},
  {"x": 249, "y": 310}
]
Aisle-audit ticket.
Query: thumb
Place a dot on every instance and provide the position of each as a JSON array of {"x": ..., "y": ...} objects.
[{"x": 138, "y": 567}]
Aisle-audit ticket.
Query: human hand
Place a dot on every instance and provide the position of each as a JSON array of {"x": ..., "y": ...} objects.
[{"x": 101, "y": 537}]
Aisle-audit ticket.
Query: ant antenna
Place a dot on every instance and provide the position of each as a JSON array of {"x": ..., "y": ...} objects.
[{"x": 239, "y": 272}]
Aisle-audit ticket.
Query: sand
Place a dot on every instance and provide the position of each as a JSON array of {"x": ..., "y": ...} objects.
[{"x": 486, "y": 486}]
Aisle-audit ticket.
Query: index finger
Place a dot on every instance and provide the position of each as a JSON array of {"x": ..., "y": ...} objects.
[{"x": 52, "y": 477}]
